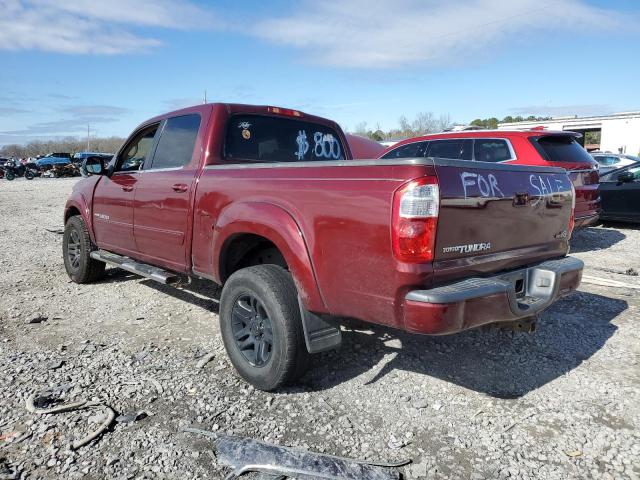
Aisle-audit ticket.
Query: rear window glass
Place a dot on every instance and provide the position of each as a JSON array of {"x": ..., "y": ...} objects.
[
  {"x": 459, "y": 149},
  {"x": 561, "y": 148},
  {"x": 259, "y": 138},
  {"x": 410, "y": 150},
  {"x": 491, "y": 150}
]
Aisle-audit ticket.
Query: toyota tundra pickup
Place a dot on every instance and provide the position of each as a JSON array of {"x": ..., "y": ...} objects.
[{"x": 269, "y": 203}]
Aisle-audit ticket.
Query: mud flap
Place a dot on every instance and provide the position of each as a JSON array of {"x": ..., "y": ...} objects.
[{"x": 319, "y": 335}]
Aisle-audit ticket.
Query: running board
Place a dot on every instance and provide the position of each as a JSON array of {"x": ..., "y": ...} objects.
[{"x": 143, "y": 269}]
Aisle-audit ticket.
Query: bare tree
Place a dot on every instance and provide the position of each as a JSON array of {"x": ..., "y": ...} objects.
[{"x": 68, "y": 145}]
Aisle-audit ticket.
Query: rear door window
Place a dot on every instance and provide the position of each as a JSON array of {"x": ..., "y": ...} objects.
[
  {"x": 409, "y": 150},
  {"x": 491, "y": 150},
  {"x": 177, "y": 141},
  {"x": 456, "y": 149},
  {"x": 258, "y": 138},
  {"x": 561, "y": 148}
]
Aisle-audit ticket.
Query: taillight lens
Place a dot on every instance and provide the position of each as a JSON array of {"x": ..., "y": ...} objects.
[
  {"x": 415, "y": 218},
  {"x": 572, "y": 218}
]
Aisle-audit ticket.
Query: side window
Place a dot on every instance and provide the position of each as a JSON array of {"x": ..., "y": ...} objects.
[
  {"x": 491, "y": 150},
  {"x": 415, "y": 149},
  {"x": 451, "y": 149},
  {"x": 137, "y": 151},
  {"x": 177, "y": 140}
]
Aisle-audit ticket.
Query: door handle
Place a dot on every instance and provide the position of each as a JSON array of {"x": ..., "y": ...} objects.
[
  {"x": 127, "y": 188},
  {"x": 179, "y": 187}
]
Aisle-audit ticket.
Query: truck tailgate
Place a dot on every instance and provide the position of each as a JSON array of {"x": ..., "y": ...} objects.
[{"x": 497, "y": 217}]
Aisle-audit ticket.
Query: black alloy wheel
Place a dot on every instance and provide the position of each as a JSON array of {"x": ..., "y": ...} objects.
[{"x": 252, "y": 330}]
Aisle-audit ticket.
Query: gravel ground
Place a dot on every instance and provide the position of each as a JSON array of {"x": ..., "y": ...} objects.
[{"x": 560, "y": 403}]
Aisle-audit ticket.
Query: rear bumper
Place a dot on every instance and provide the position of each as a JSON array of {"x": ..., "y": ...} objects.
[
  {"x": 504, "y": 297},
  {"x": 587, "y": 220}
]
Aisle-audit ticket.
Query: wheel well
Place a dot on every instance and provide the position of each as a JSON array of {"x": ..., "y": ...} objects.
[
  {"x": 247, "y": 250},
  {"x": 71, "y": 212}
]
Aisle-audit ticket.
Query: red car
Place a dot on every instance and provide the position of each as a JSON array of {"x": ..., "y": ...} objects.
[
  {"x": 528, "y": 147},
  {"x": 269, "y": 203}
]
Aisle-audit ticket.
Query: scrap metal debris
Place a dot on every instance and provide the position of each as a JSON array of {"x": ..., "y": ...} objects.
[
  {"x": 38, "y": 319},
  {"x": 204, "y": 360},
  {"x": 131, "y": 417},
  {"x": 8, "y": 471},
  {"x": 246, "y": 455},
  {"x": 96, "y": 433},
  {"x": 38, "y": 403}
]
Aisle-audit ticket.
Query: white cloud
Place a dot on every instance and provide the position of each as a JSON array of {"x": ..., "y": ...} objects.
[
  {"x": 393, "y": 33},
  {"x": 89, "y": 26}
]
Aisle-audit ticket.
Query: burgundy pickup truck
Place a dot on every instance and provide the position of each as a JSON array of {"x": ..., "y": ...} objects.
[{"x": 268, "y": 202}]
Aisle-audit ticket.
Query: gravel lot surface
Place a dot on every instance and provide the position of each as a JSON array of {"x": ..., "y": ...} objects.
[{"x": 561, "y": 403}]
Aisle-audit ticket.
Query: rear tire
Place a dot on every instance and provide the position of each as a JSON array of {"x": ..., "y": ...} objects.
[
  {"x": 258, "y": 307},
  {"x": 28, "y": 174},
  {"x": 76, "y": 251}
]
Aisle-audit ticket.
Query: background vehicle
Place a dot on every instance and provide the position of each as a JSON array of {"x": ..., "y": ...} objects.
[
  {"x": 529, "y": 147},
  {"x": 14, "y": 169},
  {"x": 59, "y": 155},
  {"x": 82, "y": 156},
  {"x": 612, "y": 161},
  {"x": 620, "y": 193},
  {"x": 267, "y": 202},
  {"x": 362, "y": 147},
  {"x": 51, "y": 161}
]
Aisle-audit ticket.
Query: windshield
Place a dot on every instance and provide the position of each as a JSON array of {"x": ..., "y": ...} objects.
[
  {"x": 260, "y": 138},
  {"x": 561, "y": 148}
]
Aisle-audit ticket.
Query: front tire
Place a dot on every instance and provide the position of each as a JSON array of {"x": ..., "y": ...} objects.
[
  {"x": 76, "y": 251},
  {"x": 9, "y": 175},
  {"x": 262, "y": 328}
]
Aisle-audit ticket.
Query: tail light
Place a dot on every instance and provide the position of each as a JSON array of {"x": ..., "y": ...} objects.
[
  {"x": 415, "y": 218},
  {"x": 572, "y": 218}
]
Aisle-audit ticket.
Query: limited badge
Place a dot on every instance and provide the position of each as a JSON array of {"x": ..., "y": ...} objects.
[{"x": 246, "y": 134}]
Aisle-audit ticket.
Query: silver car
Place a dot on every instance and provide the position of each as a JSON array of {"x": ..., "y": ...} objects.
[{"x": 610, "y": 161}]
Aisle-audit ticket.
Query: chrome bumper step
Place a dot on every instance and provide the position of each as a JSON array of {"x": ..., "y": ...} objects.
[{"x": 143, "y": 269}]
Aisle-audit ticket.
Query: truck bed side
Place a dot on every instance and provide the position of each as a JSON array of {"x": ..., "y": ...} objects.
[{"x": 343, "y": 213}]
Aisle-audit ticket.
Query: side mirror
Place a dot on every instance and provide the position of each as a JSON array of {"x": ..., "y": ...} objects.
[
  {"x": 93, "y": 166},
  {"x": 626, "y": 177}
]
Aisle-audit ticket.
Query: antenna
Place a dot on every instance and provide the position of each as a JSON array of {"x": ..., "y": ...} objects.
[
  {"x": 205, "y": 97},
  {"x": 88, "y": 148}
]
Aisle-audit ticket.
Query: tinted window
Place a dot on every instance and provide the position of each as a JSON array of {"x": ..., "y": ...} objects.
[
  {"x": 491, "y": 150},
  {"x": 561, "y": 148},
  {"x": 137, "y": 151},
  {"x": 176, "y": 143},
  {"x": 415, "y": 149},
  {"x": 274, "y": 139},
  {"x": 453, "y": 149}
]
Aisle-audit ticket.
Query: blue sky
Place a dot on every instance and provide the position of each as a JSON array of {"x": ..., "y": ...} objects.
[{"x": 114, "y": 64}]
